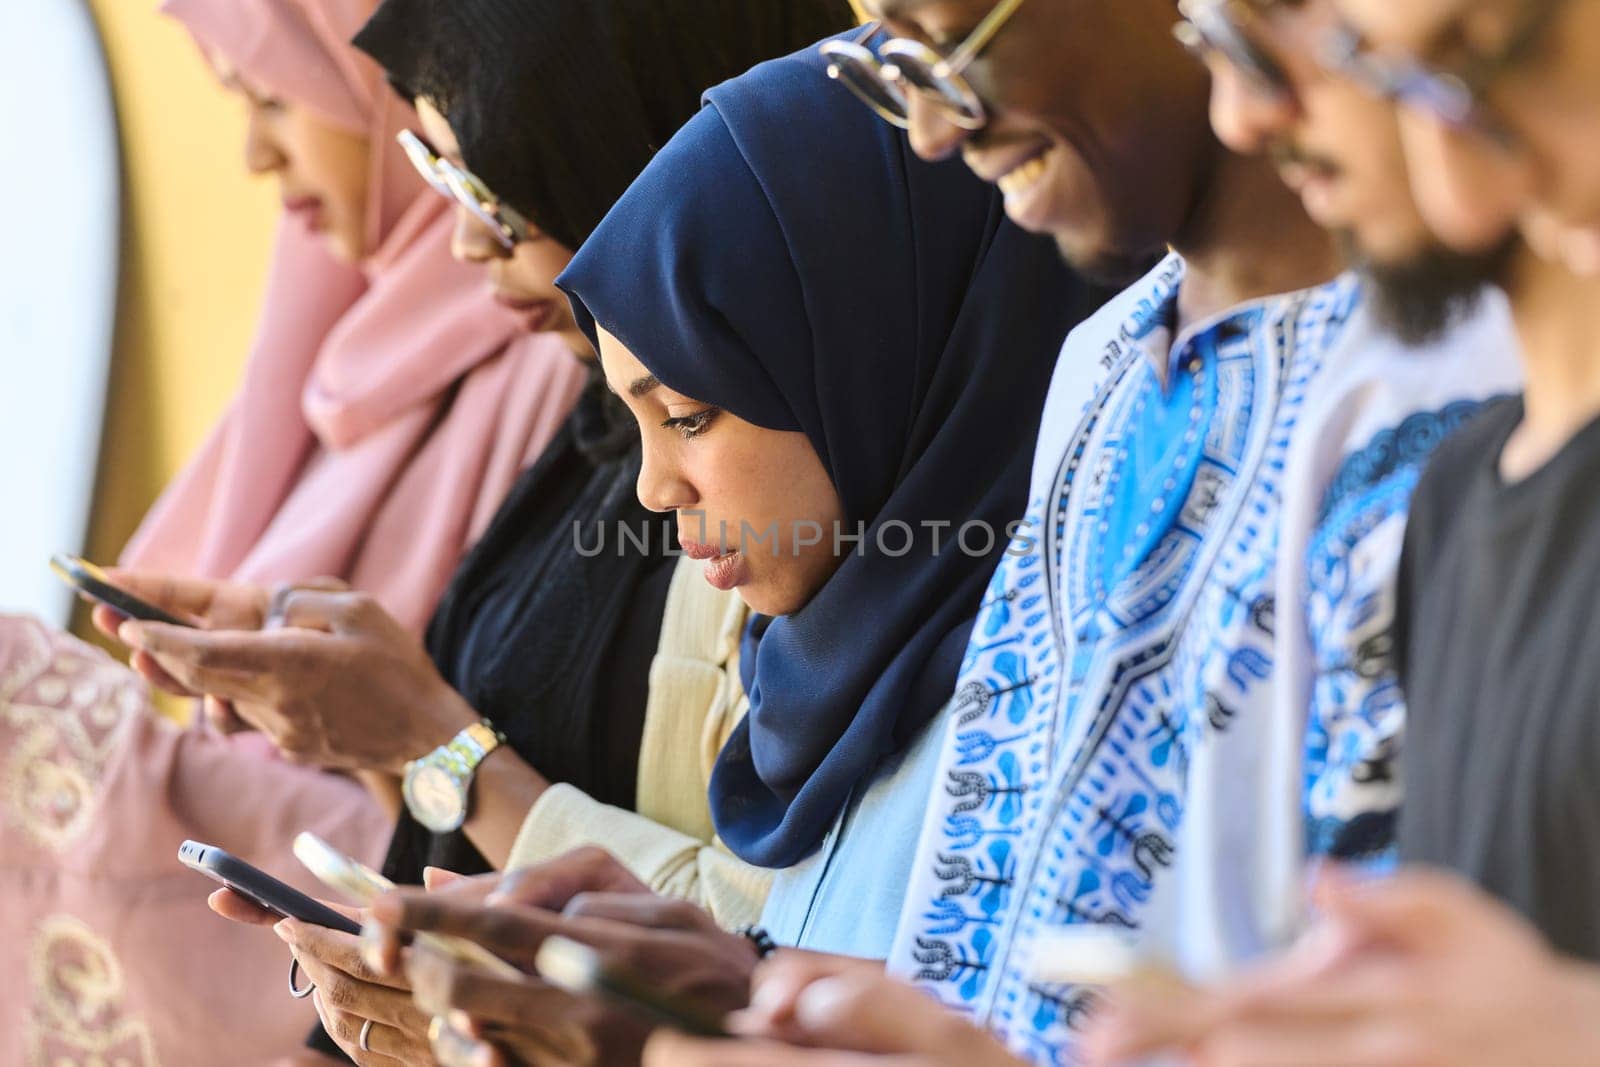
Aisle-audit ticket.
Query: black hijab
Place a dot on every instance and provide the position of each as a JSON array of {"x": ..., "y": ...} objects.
[
  {"x": 559, "y": 104},
  {"x": 787, "y": 259}
]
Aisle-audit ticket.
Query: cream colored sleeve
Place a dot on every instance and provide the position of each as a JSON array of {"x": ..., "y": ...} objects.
[
  {"x": 695, "y": 702},
  {"x": 672, "y": 863}
]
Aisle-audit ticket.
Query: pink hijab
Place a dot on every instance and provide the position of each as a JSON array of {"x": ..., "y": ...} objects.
[{"x": 385, "y": 409}]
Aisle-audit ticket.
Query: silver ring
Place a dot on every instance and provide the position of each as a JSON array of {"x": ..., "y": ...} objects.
[
  {"x": 299, "y": 994},
  {"x": 366, "y": 1030}
]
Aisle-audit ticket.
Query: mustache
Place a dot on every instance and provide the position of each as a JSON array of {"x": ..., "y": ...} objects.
[{"x": 1287, "y": 153}]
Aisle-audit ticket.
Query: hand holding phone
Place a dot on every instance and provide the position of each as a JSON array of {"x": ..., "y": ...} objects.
[
  {"x": 364, "y": 885},
  {"x": 581, "y": 970},
  {"x": 95, "y": 584}
]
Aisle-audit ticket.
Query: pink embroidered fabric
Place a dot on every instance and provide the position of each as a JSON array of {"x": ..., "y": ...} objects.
[{"x": 110, "y": 953}]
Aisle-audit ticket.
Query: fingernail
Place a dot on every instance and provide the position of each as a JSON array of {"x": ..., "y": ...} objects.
[
  {"x": 388, "y": 909},
  {"x": 818, "y": 1003},
  {"x": 284, "y": 930},
  {"x": 372, "y": 944},
  {"x": 768, "y": 997},
  {"x": 128, "y": 633},
  {"x": 746, "y": 1023},
  {"x": 454, "y": 1049}
]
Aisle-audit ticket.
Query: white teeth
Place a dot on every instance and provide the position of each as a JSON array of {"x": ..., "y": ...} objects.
[{"x": 1024, "y": 176}]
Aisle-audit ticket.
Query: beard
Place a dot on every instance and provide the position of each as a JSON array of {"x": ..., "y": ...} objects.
[
  {"x": 1110, "y": 270},
  {"x": 1422, "y": 297}
]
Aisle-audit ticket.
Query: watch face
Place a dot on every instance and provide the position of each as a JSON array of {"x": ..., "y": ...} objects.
[{"x": 434, "y": 797}]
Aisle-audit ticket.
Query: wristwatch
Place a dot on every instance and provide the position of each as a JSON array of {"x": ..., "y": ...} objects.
[{"x": 436, "y": 787}]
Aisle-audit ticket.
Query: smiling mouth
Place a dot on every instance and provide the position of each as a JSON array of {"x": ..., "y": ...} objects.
[{"x": 1025, "y": 175}]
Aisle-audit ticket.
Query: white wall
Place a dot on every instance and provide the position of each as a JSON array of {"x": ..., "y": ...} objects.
[{"x": 59, "y": 187}]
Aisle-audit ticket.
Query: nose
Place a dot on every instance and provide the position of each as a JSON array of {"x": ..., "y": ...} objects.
[
  {"x": 933, "y": 136},
  {"x": 661, "y": 485},
  {"x": 1246, "y": 116},
  {"x": 473, "y": 242},
  {"x": 261, "y": 152}
]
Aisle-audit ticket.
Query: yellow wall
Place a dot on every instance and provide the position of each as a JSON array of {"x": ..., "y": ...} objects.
[{"x": 196, "y": 237}]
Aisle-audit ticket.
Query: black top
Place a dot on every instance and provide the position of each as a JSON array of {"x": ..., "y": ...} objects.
[
  {"x": 1500, "y": 660},
  {"x": 549, "y": 639},
  {"x": 550, "y": 625}
]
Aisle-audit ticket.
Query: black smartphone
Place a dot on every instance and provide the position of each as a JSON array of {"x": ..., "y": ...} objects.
[
  {"x": 261, "y": 888},
  {"x": 579, "y": 969},
  {"x": 92, "y": 582}
]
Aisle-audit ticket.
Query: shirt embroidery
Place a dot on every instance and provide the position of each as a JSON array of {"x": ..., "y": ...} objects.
[{"x": 1096, "y": 670}]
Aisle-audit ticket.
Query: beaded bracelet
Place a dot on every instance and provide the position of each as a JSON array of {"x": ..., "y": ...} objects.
[{"x": 758, "y": 937}]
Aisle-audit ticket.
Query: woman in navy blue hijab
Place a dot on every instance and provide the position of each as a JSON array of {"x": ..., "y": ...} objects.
[{"x": 821, "y": 335}]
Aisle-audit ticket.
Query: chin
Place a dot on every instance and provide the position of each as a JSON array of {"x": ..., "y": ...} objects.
[
  {"x": 766, "y": 601},
  {"x": 345, "y": 249},
  {"x": 1105, "y": 266}
]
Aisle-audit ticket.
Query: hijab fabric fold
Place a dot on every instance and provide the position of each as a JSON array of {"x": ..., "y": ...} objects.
[
  {"x": 386, "y": 407},
  {"x": 787, "y": 258}
]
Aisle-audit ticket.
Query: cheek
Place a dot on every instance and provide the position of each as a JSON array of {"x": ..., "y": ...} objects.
[
  {"x": 335, "y": 164},
  {"x": 536, "y": 264},
  {"x": 1567, "y": 149},
  {"x": 1469, "y": 194}
]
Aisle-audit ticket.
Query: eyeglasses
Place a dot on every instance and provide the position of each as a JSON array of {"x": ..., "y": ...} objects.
[
  {"x": 1222, "y": 27},
  {"x": 880, "y": 80},
  {"x": 1452, "y": 97},
  {"x": 461, "y": 185}
]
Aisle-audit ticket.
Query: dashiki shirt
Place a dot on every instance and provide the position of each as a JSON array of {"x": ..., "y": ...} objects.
[
  {"x": 1376, "y": 414},
  {"x": 1113, "y": 755}
]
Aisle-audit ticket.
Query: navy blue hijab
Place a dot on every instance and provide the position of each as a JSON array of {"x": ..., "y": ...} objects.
[{"x": 787, "y": 259}]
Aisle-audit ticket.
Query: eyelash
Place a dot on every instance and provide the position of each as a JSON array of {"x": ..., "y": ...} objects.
[{"x": 692, "y": 426}]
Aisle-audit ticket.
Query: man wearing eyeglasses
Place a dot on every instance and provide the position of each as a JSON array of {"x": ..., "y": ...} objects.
[
  {"x": 1497, "y": 105},
  {"x": 1496, "y": 962},
  {"x": 1282, "y": 85}
]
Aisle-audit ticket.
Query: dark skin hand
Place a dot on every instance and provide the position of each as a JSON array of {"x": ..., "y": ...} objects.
[
  {"x": 349, "y": 992},
  {"x": 673, "y": 946},
  {"x": 332, "y": 678},
  {"x": 815, "y": 1011}
]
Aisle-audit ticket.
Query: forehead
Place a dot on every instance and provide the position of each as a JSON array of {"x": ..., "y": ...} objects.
[
  {"x": 927, "y": 12},
  {"x": 436, "y": 128},
  {"x": 1408, "y": 24}
]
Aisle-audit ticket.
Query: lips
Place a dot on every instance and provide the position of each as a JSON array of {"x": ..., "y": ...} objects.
[
  {"x": 308, "y": 209},
  {"x": 726, "y": 572},
  {"x": 535, "y": 312},
  {"x": 698, "y": 551},
  {"x": 1019, "y": 179}
]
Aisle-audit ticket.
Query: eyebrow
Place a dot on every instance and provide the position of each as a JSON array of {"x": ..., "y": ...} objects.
[{"x": 641, "y": 386}]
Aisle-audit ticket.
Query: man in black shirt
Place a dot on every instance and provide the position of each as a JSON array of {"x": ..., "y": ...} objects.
[{"x": 1501, "y": 571}]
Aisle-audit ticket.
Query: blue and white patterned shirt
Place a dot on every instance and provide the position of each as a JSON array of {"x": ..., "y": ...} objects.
[{"x": 1121, "y": 750}]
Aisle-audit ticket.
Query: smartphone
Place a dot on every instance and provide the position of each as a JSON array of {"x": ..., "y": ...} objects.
[
  {"x": 261, "y": 888},
  {"x": 579, "y": 969},
  {"x": 92, "y": 582},
  {"x": 1092, "y": 956},
  {"x": 363, "y": 885}
]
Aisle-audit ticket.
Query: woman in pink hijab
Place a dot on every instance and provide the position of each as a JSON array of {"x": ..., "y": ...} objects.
[
  {"x": 387, "y": 407},
  {"x": 389, "y": 403}
]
